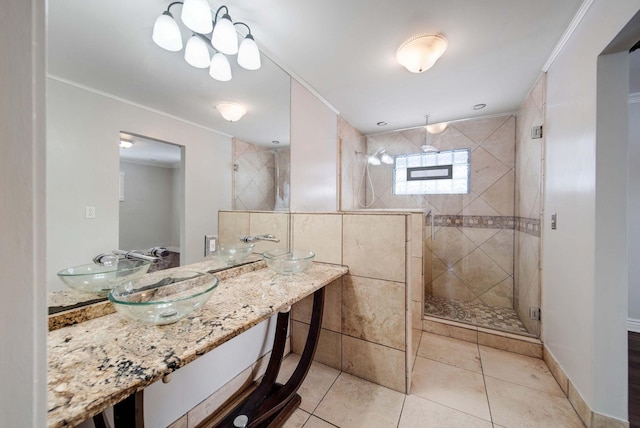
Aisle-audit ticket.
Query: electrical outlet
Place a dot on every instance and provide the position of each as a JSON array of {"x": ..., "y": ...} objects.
[
  {"x": 90, "y": 212},
  {"x": 534, "y": 313},
  {"x": 210, "y": 244}
]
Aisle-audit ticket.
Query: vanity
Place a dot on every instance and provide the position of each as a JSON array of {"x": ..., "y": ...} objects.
[{"x": 109, "y": 360}]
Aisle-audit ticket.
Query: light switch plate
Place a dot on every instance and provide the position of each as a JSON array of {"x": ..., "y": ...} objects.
[
  {"x": 90, "y": 212},
  {"x": 554, "y": 221}
]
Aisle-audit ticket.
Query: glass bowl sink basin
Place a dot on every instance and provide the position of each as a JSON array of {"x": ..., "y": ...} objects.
[
  {"x": 163, "y": 298},
  {"x": 234, "y": 254},
  {"x": 93, "y": 278},
  {"x": 288, "y": 262}
]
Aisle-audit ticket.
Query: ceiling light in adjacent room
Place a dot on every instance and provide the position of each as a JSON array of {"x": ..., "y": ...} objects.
[
  {"x": 436, "y": 128},
  {"x": 126, "y": 143},
  {"x": 220, "y": 69},
  {"x": 479, "y": 106},
  {"x": 232, "y": 112},
  {"x": 421, "y": 53}
]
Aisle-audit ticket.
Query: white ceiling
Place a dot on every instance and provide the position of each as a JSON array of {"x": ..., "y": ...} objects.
[
  {"x": 148, "y": 151},
  {"x": 344, "y": 50}
]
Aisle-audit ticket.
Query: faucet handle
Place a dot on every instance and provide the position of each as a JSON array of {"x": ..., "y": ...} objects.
[{"x": 246, "y": 238}]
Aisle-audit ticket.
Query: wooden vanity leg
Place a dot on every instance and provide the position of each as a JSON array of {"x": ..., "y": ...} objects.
[{"x": 271, "y": 403}]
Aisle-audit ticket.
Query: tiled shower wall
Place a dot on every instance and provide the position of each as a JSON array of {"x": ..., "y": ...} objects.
[
  {"x": 529, "y": 176},
  {"x": 261, "y": 177},
  {"x": 351, "y": 142},
  {"x": 471, "y": 258}
]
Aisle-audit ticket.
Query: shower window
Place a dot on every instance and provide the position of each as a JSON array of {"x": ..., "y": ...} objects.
[{"x": 440, "y": 173}]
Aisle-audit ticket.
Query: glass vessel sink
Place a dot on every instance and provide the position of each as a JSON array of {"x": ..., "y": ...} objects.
[
  {"x": 234, "y": 254},
  {"x": 288, "y": 262},
  {"x": 93, "y": 278},
  {"x": 163, "y": 298}
]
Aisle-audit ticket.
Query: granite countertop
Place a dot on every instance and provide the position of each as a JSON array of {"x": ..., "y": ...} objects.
[
  {"x": 97, "y": 363},
  {"x": 69, "y": 306}
]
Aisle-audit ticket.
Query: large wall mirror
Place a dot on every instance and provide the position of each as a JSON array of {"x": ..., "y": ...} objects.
[{"x": 105, "y": 77}]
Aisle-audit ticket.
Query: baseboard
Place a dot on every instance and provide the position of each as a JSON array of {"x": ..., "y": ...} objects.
[{"x": 633, "y": 324}]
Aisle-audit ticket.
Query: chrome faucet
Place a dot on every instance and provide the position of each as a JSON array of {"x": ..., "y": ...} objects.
[
  {"x": 110, "y": 259},
  {"x": 265, "y": 237}
]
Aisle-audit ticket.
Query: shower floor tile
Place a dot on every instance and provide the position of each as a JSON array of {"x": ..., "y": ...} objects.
[{"x": 480, "y": 314}]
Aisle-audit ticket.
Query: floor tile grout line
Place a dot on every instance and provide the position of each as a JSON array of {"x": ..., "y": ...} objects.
[
  {"x": 484, "y": 381},
  {"x": 561, "y": 395},
  {"x": 328, "y": 389},
  {"x": 404, "y": 400},
  {"x": 450, "y": 365},
  {"x": 451, "y": 408}
]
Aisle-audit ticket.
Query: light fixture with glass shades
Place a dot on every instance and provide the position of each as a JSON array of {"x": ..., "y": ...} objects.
[
  {"x": 380, "y": 157},
  {"x": 437, "y": 128},
  {"x": 232, "y": 112},
  {"x": 420, "y": 53},
  {"x": 198, "y": 18},
  {"x": 426, "y": 147},
  {"x": 126, "y": 143}
]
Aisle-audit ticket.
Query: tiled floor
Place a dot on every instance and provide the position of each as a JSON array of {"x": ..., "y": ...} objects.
[
  {"x": 480, "y": 314},
  {"x": 455, "y": 384}
]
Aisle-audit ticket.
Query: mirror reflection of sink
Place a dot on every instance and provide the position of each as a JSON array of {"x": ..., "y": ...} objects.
[
  {"x": 93, "y": 278},
  {"x": 233, "y": 254}
]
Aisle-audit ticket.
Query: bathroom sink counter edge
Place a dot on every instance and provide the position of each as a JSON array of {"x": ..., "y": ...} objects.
[{"x": 100, "y": 362}]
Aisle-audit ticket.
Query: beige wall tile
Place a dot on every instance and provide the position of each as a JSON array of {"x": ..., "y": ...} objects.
[
  {"x": 581, "y": 407},
  {"x": 459, "y": 331},
  {"x": 509, "y": 344},
  {"x": 480, "y": 130},
  {"x": 276, "y": 224},
  {"x": 231, "y": 224},
  {"x": 486, "y": 169},
  {"x": 451, "y": 245},
  {"x": 449, "y": 286},
  {"x": 417, "y": 311},
  {"x": 376, "y": 363},
  {"x": 332, "y": 311},
  {"x": 478, "y": 236},
  {"x": 320, "y": 233},
  {"x": 500, "y": 195},
  {"x": 500, "y": 249},
  {"x": 374, "y": 246},
  {"x": 374, "y": 310},
  {"x": 329, "y": 350},
  {"x": 417, "y": 280},
  {"x": 500, "y": 295},
  {"x": 417, "y": 231},
  {"x": 502, "y": 142},
  {"x": 555, "y": 370},
  {"x": 479, "y": 272}
]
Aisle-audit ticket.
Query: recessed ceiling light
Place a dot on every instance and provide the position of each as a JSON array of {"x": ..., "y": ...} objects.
[
  {"x": 479, "y": 106},
  {"x": 382, "y": 123},
  {"x": 275, "y": 142}
]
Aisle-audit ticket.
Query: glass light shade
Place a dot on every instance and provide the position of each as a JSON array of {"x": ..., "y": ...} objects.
[
  {"x": 436, "y": 128},
  {"x": 373, "y": 160},
  {"x": 224, "y": 38},
  {"x": 386, "y": 158},
  {"x": 197, "y": 53},
  {"x": 231, "y": 111},
  {"x": 125, "y": 144},
  {"x": 196, "y": 15},
  {"x": 166, "y": 33},
  {"x": 249, "y": 54},
  {"x": 220, "y": 69},
  {"x": 429, "y": 149},
  {"x": 421, "y": 53}
]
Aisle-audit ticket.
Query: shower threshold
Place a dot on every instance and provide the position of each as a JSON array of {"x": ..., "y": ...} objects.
[{"x": 476, "y": 314}]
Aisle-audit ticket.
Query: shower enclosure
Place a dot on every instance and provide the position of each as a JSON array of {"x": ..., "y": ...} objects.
[{"x": 482, "y": 216}]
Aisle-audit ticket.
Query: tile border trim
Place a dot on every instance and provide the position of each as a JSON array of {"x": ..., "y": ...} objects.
[{"x": 530, "y": 226}]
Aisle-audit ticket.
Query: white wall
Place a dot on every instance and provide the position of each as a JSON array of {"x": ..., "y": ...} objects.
[
  {"x": 633, "y": 210},
  {"x": 146, "y": 214},
  {"x": 314, "y": 153},
  {"x": 584, "y": 309},
  {"x": 22, "y": 215},
  {"x": 82, "y": 170}
]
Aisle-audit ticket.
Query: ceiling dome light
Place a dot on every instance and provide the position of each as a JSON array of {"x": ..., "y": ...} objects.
[
  {"x": 421, "y": 53},
  {"x": 196, "y": 15},
  {"x": 232, "y": 112},
  {"x": 125, "y": 143},
  {"x": 249, "y": 54},
  {"x": 220, "y": 69},
  {"x": 437, "y": 128},
  {"x": 224, "y": 37},
  {"x": 166, "y": 32},
  {"x": 197, "y": 53}
]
